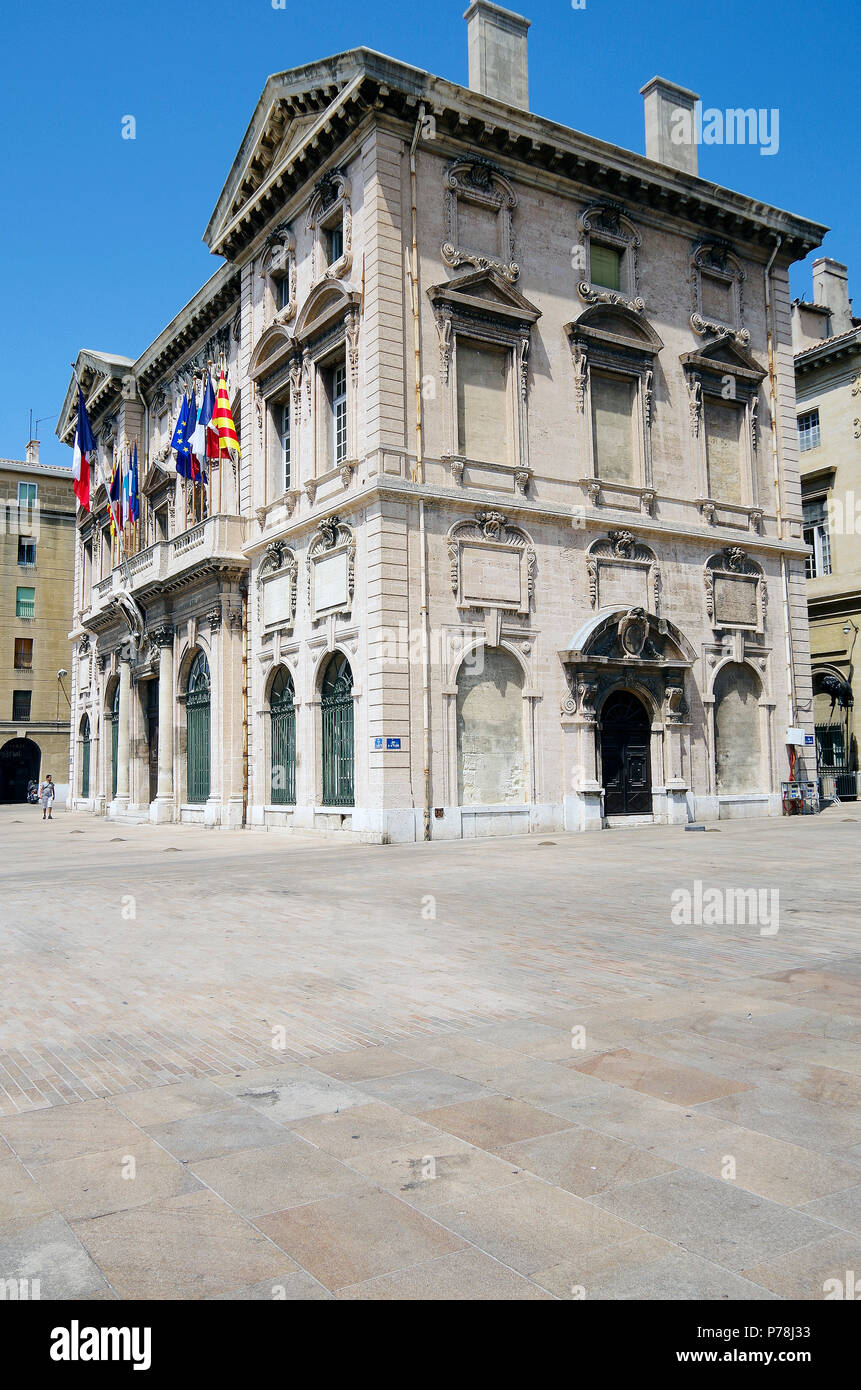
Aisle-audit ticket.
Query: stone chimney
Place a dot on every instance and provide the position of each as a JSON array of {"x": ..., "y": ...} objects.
[
  {"x": 831, "y": 288},
  {"x": 32, "y": 451},
  {"x": 670, "y": 125},
  {"x": 498, "y": 63}
]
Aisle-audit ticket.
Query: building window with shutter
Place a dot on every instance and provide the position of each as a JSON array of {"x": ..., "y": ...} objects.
[
  {"x": 25, "y": 602},
  {"x": 483, "y": 404},
  {"x": 817, "y": 536},
  {"x": 613, "y": 403},
  {"x": 605, "y": 266},
  {"x": 723, "y": 432},
  {"x": 21, "y": 701},
  {"x": 23, "y": 653},
  {"x": 808, "y": 431}
]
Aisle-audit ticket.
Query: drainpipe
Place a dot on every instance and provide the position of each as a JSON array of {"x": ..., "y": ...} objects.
[
  {"x": 775, "y": 463},
  {"x": 418, "y": 477}
]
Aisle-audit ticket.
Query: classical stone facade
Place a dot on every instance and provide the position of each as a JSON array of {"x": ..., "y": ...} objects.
[
  {"x": 514, "y": 543},
  {"x": 37, "y": 548},
  {"x": 827, "y": 340}
]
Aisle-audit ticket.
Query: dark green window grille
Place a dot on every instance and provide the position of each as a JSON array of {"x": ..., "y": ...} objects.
[
  {"x": 115, "y": 736},
  {"x": 282, "y": 716},
  {"x": 85, "y": 756},
  {"x": 197, "y": 728},
  {"x": 337, "y": 711}
]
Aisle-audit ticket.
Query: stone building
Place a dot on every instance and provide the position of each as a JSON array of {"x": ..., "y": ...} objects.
[
  {"x": 827, "y": 342},
  {"x": 514, "y": 543},
  {"x": 37, "y": 557}
]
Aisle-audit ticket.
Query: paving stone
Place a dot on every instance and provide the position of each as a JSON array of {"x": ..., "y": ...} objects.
[
  {"x": 583, "y": 1161},
  {"x": 186, "y": 1247},
  {"x": 494, "y": 1121},
  {"x": 257, "y": 1181},
  {"x": 345, "y": 1240},
  {"x": 96, "y": 1184},
  {"x": 217, "y": 1132},
  {"x": 711, "y": 1218},
  {"x": 467, "y": 1275}
]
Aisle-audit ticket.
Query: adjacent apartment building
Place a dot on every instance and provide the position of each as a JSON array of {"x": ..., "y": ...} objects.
[
  {"x": 515, "y": 540},
  {"x": 827, "y": 342},
  {"x": 37, "y": 557}
]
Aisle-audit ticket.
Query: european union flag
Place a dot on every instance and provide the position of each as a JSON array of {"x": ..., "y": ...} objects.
[{"x": 181, "y": 441}]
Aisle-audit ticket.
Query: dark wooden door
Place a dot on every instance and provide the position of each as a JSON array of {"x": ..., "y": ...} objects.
[
  {"x": 625, "y": 761},
  {"x": 152, "y": 736}
]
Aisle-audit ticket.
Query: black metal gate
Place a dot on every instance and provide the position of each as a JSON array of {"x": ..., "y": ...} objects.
[
  {"x": 337, "y": 712},
  {"x": 837, "y": 779},
  {"x": 197, "y": 730},
  {"x": 282, "y": 715}
]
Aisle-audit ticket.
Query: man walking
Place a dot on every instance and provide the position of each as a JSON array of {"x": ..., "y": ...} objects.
[{"x": 46, "y": 797}]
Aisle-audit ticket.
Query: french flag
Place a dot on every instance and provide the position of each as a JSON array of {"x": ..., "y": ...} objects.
[{"x": 84, "y": 455}]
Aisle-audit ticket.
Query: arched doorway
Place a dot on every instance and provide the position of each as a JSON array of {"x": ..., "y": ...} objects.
[
  {"x": 84, "y": 739},
  {"x": 625, "y": 762},
  {"x": 197, "y": 748},
  {"x": 282, "y": 739},
  {"x": 114, "y": 717},
  {"x": 738, "y": 750},
  {"x": 491, "y": 765},
  {"x": 20, "y": 760},
  {"x": 336, "y": 706}
]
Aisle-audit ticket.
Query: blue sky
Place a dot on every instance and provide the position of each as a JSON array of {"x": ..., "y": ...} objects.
[{"x": 101, "y": 237}]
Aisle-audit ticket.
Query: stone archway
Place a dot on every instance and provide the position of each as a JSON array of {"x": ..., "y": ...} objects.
[
  {"x": 625, "y": 755},
  {"x": 20, "y": 760}
]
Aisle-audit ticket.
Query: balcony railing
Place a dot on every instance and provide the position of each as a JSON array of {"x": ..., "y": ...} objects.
[
  {"x": 25, "y": 608},
  {"x": 218, "y": 536}
]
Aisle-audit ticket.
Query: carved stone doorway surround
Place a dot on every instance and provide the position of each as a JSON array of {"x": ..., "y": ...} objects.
[{"x": 626, "y": 649}]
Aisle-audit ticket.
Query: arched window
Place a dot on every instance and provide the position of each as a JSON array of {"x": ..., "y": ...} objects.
[
  {"x": 491, "y": 764},
  {"x": 85, "y": 755},
  {"x": 197, "y": 730},
  {"x": 336, "y": 702},
  {"x": 738, "y": 755},
  {"x": 282, "y": 739},
  {"x": 114, "y": 717}
]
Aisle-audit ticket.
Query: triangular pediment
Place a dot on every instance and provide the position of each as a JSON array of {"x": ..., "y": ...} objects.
[
  {"x": 721, "y": 354},
  {"x": 292, "y": 109},
  {"x": 486, "y": 288}
]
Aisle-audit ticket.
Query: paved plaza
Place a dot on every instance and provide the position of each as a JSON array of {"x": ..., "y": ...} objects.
[{"x": 247, "y": 1065}]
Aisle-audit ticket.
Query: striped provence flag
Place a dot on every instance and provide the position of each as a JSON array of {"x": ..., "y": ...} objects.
[{"x": 222, "y": 422}]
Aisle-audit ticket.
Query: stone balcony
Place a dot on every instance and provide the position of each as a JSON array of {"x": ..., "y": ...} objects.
[{"x": 213, "y": 544}]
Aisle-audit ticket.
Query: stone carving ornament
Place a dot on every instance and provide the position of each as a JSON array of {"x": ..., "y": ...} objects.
[
  {"x": 609, "y": 224},
  {"x": 479, "y": 182},
  {"x": 493, "y": 528}
]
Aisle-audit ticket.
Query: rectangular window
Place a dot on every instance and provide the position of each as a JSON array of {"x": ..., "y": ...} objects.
[
  {"x": 723, "y": 420},
  {"x": 283, "y": 291},
  {"x": 26, "y": 551},
  {"x": 23, "y": 653},
  {"x": 27, "y": 493},
  {"x": 613, "y": 427},
  {"x": 808, "y": 431},
  {"x": 483, "y": 406},
  {"x": 337, "y": 392},
  {"x": 21, "y": 700},
  {"x": 334, "y": 241},
  {"x": 286, "y": 444},
  {"x": 25, "y": 603},
  {"x": 605, "y": 266},
  {"x": 816, "y": 535}
]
